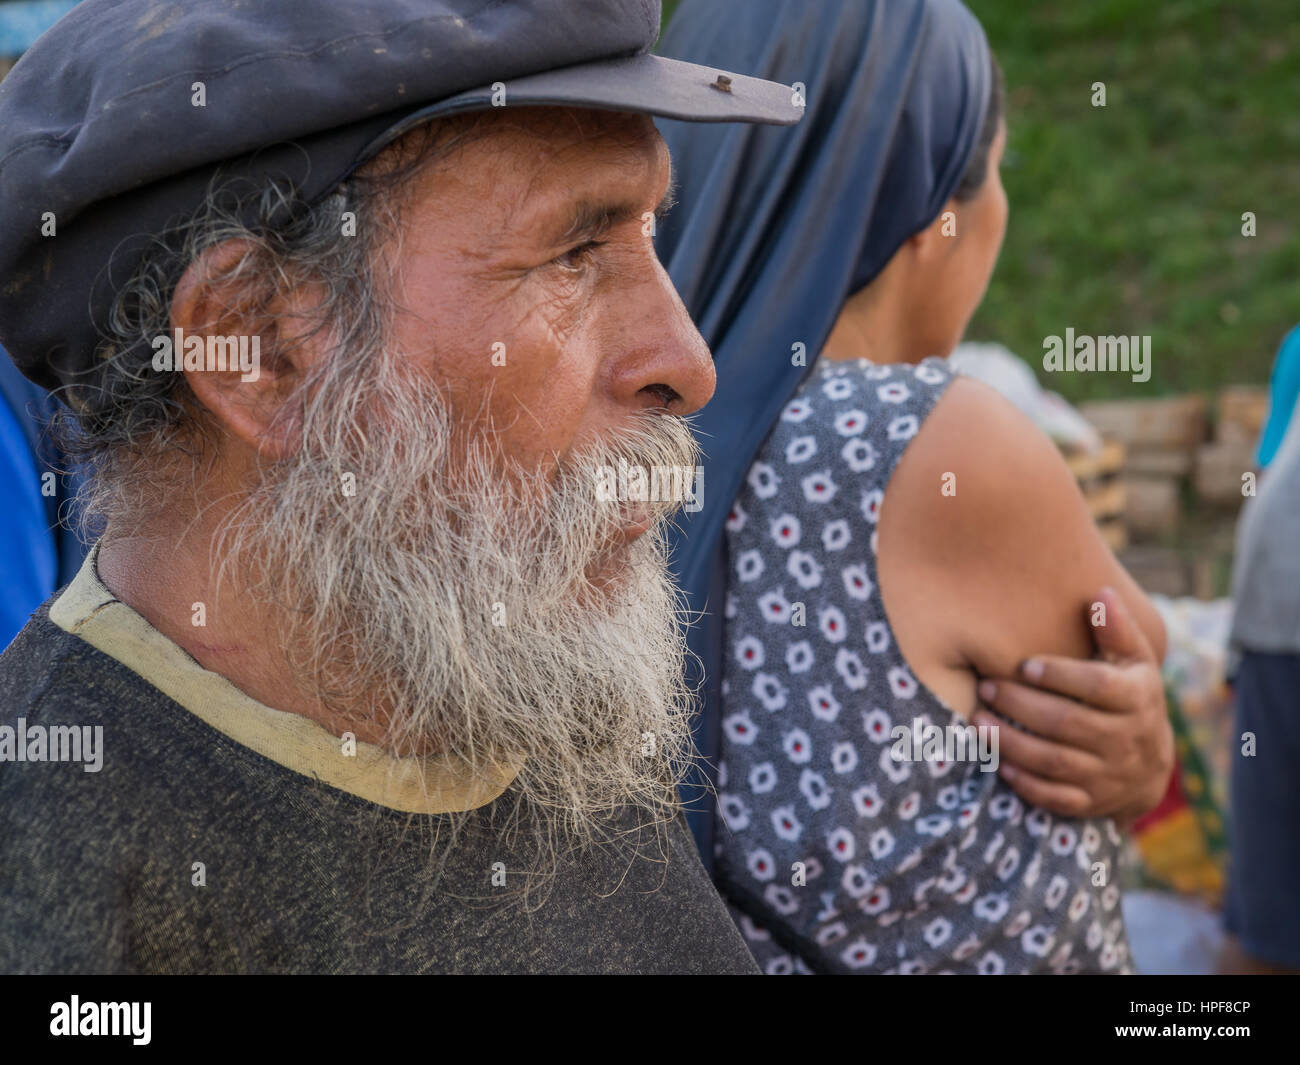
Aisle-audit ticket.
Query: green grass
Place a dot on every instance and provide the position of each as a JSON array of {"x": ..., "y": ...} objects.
[{"x": 1126, "y": 219}]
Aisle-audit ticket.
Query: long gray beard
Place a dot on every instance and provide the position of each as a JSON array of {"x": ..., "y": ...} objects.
[{"x": 455, "y": 599}]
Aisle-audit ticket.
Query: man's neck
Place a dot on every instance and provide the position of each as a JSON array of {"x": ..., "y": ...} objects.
[{"x": 170, "y": 582}]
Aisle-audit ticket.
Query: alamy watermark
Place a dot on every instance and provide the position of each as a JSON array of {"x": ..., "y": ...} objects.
[
  {"x": 211, "y": 353},
  {"x": 1109, "y": 354},
  {"x": 55, "y": 743},
  {"x": 645, "y": 484},
  {"x": 927, "y": 742}
]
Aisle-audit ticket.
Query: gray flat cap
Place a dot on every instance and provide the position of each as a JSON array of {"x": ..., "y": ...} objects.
[{"x": 106, "y": 136}]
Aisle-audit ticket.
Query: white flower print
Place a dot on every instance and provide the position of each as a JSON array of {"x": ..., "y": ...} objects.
[
  {"x": 1064, "y": 839},
  {"x": 1079, "y": 905},
  {"x": 799, "y": 657},
  {"x": 762, "y": 778},
  {"x": 734, "y": 812},
  {"x": 991, "y": 908},
  {"x": 823, "y": 703},
  {"x": 896, "y": 771},
  {"x": 786, "y": 530},
  {"x": 929, "y": 375},
  {"x": 857, "y": 582},
  {"x": 938, "y": 932},
  {"x": 762, "y": 865},
  {"x": 818, "y": 487},
  {"x": 769, "y": 691},
  {"x": 740, "y": 728},
  {"x": 877, "y": 637},
  {"x": 797, "y": 410},
  {"x": 834, "y": 625},
  {"x": 797, "y": 745},
  {"x": 775, "y": 607},
  {"x": 1056, "y": 890},
  {"x": 871, "y": 505},
  {"x": 850, "y": 422},
  {"x": 1008, "y": 863},
  {"x": 836, "y": 535},
  {"x": 910, "y": 806},
  {"x": 800, "y": 449},
  {"x": 858, "y": 954},
  {"x": 933, "y": 825},
  {"x": 876, "y": 902},
  {"x": 1038, "y": 822},
  {"x": 949, "y": 797},
  {"x": 877, "y": 725},
  {"x": 866, "y": 799},
  {"x": 763, "y": 480},
  {"x": 858, "y": 455},
  {"x": 881, "y": 843},
  {"x": 894, "y": 392},
  {"x": 814, "y": 789},
  {"x": 736, "y": 519},
  {"x": 781, "y": 899},
  {"x": 902, "y": 683},
  {"x": 844, "y": 757},
  {"x": 805, "y": 569},
  {"x": 841, "y": 844},
  {"x": 785, "y": 823},
  {"x": 848, "y": 664},
  {"x": 749, "y": 566},
  {"x": 903, "y": 428},
  {"x": 1037, "y": 941},
  {"x": 856, "y": 881},
  {"x": 837, "y": 388},
  {"x": 749, "y": 652}
]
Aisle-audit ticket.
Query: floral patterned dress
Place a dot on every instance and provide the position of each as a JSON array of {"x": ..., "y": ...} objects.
[{"x": 834, "y": 854}]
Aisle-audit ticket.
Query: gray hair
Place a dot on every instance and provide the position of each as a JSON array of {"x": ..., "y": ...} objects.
[{"x": 139, "y": 435}]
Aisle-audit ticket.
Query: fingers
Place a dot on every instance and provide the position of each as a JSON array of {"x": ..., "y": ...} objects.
[
  {"x": 1064, "y": 800},
  {"x": 1119, "y": 637},
  {"x": 1062, "y": 720},
  {"x": 1102, "y": 685},
  {"x": 1042, "y": 757}
]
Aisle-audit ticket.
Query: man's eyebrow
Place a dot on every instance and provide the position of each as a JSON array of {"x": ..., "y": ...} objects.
[{"x": 592, "y": 218}]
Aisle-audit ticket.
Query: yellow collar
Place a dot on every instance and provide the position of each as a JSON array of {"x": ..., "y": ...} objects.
[{"x": 432, "y": 785}]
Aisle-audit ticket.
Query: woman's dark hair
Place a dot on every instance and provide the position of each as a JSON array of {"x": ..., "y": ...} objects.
[{"x": 977, "y": 170}]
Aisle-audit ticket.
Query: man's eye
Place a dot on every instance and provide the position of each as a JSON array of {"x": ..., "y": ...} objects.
[{"x": 579, "y": 257}]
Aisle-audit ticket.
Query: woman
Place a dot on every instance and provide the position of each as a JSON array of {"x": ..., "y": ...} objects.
[{"x": 869, "y": 232}]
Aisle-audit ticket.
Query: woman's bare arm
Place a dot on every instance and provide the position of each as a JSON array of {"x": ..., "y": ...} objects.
[{"x": 988, "y": 557}]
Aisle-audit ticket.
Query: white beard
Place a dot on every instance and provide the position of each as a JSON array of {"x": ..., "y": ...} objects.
[{"x": 467, "y": 609}]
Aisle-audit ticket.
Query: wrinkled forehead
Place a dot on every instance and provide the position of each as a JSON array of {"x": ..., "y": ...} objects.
[{"x": 516, "y": 168}]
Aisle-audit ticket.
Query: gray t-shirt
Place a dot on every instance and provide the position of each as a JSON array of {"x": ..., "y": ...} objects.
[
  {"x": 1266, "y": 577},
  {"x": 189, "y": 851}
]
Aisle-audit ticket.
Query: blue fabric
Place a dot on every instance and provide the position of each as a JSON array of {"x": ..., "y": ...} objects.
[
  {"x": 29, "y": 560},
  {"x": 1283, "y": 393},
  {"x": 1265, "y": 823},
  {"x": 38, "y": 552},
  {"x": 778, "y": 227},
  {"x": 22, "y": 22}
]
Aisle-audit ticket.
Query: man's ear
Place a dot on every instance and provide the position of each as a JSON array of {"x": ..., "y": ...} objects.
[{"x": 267, "y": 346}]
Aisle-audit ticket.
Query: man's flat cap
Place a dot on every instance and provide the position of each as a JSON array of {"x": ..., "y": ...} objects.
[{"x": 113, "y": 123}]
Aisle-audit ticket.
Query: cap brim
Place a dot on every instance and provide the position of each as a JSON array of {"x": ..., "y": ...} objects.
[{"x": 649, "y": 84}]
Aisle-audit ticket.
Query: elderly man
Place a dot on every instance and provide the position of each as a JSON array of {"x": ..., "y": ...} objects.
[
  {"x": 358, "y": 312},
  {"x": 364, "y": 673}
]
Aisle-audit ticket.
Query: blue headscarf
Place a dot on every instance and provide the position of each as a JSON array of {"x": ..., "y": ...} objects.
[{"x": 777, "y": 227}]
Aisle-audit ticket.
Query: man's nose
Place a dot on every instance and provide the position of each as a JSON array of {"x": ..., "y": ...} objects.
[{"x": 662, "y": 361}]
